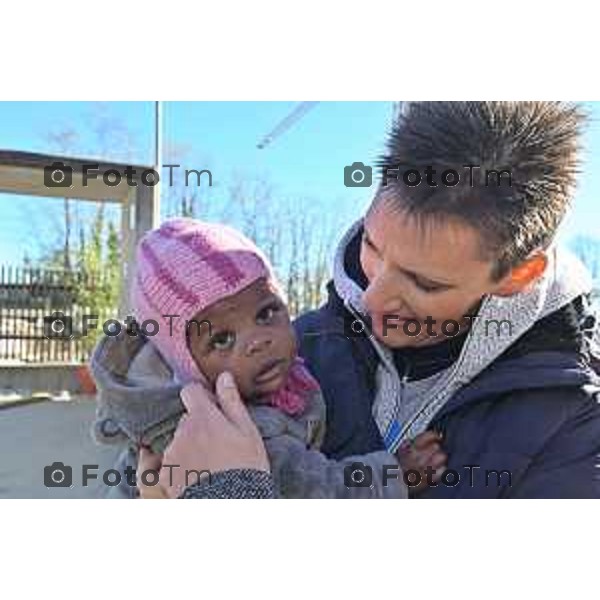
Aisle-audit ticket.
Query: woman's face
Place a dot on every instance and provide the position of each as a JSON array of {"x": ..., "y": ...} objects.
[{"x": 428, "y": 275}]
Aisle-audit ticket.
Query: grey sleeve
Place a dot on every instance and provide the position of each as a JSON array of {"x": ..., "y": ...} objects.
[
  {"x": 234, "y": 483},
  {"x": 303, "y": 473}
]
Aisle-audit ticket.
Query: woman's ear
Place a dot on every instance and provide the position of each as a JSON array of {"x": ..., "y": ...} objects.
[{"x": 523, "y": 275}]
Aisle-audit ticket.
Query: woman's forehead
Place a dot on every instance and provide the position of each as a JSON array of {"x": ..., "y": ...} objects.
[{"x": 434, "y": 246}]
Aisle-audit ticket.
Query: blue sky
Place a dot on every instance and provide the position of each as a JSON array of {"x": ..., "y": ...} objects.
[{"x": 306, "y": 162}]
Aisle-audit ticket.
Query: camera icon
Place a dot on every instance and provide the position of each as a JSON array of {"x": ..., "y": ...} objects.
[
  {"x": 58, "y": 175},
  {"x": 58, "y": 326},
  {"x": 354, "y": 327},
  {"x": 358, "y": 474},
  {"x": 58, "y": 475},
  {"x": 358, "y": 175}
]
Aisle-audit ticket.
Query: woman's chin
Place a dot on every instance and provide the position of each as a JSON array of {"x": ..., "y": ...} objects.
[{"x": 395, "y": 341}]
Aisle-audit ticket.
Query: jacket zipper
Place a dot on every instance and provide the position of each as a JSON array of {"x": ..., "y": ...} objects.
[{"x": 403, "y": 382}]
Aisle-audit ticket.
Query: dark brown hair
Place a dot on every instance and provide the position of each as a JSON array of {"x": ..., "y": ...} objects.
[{"x": 537, "y": 142}]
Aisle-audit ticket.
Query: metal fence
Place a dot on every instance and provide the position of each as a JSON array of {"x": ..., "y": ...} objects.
[
  {"x": 41, "y": 318},
  {"x": 31, "y": 331}
]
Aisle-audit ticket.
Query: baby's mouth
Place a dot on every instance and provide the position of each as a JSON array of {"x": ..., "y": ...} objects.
[{"x": 271, "y": 371}]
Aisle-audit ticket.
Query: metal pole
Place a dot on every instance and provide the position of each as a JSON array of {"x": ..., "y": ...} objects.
[
  {"x": 158, "y": 134},
  {"x": 158, "y": 148}
]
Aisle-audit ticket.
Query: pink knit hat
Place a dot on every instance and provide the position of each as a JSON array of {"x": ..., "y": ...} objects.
[{"x": 182, "y": 268}]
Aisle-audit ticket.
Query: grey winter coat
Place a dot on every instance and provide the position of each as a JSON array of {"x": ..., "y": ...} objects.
[{"x": 139, "y": 404}]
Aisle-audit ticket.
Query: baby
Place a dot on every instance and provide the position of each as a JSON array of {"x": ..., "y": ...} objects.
[{"x": 209, "y": 302}]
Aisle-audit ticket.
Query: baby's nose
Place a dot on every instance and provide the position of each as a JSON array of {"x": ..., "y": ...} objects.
[{"x": 258, "y": 344}]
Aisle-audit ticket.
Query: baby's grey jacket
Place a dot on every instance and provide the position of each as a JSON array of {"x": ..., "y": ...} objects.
[{"x": 139, "y": 403}]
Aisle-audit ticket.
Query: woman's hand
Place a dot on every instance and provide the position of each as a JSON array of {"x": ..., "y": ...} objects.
[
  {"x": 148, "y": 461},
  {"x": 216, "y": 434}
]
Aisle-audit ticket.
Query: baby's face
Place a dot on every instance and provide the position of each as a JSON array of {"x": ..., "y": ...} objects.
[{"x": 250, "y": 335}]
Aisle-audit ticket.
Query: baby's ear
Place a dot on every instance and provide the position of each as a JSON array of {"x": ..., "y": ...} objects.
[{"x": 524, "y": 275}]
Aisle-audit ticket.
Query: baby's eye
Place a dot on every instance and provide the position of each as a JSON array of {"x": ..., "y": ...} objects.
[
  {"x": 224, "y": 340},
  {"x": 266, "y": 314}
]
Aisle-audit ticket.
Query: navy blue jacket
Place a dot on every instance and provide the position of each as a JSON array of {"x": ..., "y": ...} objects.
[{"x": 534, "y": 412}]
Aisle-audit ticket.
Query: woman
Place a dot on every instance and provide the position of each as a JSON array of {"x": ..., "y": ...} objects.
[{"x": 451, "y": 308}]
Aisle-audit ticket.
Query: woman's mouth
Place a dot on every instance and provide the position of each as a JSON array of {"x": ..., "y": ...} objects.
[
  {"x": 390, "y": 320},
  {"x": 271, "y": 371}
]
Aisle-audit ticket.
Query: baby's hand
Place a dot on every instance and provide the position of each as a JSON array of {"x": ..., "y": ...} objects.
[{"x": 418, "y": 454}]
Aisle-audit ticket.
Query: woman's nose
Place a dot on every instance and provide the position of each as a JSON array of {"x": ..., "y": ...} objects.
[{"x": 381, "y": 297}]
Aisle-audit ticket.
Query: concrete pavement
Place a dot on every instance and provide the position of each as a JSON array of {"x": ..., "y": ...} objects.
[{"x": 36, "y": 435}]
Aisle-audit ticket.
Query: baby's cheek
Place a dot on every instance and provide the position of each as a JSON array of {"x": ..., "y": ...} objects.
[
  {"x": 293, "y": 342},
  {"x": 237, "y": 368},
  {"x": 244, "y": 380},
  {"x": 209, "y": 368}
]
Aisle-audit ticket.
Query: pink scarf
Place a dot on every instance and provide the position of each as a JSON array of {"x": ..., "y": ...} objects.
[{"x": 293, "y": 396}]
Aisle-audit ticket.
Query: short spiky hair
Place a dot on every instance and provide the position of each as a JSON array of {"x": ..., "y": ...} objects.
[{"x": 538, "y": 142}]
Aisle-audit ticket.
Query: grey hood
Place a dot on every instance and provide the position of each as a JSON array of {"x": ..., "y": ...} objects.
[
  {"x": 402, "y": 409},
  {"x": 138, "y": 398},
  {"x": 139, "y": 402}
]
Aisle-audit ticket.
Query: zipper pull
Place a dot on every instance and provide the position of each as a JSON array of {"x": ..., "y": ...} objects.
[{"x": 406, "y": 373}]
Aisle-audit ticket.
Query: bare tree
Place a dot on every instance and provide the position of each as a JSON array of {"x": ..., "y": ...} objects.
[
  {"x": 65, "y": 140},
  {"x": 297, "y": 236},
  {"x": 182, "y": 196},
  {"x": 104, "y": 135}
]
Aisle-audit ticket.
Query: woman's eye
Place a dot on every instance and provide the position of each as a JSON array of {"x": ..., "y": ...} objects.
[
  {"x": 430, "y": 288},
  {"x": 367, "y": 242},
  {"x": 267, "y": 313},
  {"x": 222, "y": 341}
]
